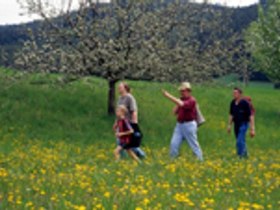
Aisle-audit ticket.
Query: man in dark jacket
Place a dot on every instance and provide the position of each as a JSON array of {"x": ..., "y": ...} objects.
[{"x": 242, "y": 116}]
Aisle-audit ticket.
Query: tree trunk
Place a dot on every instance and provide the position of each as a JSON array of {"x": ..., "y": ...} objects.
[
  {"x": 111, "y": 96},
  {"x": 246, "y": 77},
  {"x": 245, "y": 80}
]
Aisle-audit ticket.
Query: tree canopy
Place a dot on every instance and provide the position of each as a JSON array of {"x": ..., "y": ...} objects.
[
  {"x": 263, "y": 39},
  {"x": 132, "y": 39}
]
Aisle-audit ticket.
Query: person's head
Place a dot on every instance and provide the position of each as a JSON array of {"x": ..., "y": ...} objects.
[
  {"x": 237, "y": 93},
  {"x": 185, "y": 89},
  {"x": 121, "y": 111},
  {"x": 124, "y": 88}
]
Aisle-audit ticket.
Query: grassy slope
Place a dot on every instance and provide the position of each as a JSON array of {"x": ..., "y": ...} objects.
[
  {"x": 77, "y": 112},
  {"x": 56, "y": 144}
]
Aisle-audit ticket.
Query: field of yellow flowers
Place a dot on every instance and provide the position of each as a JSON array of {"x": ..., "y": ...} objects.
[
  {"x": 60, "y": 175},
  {"x": 56, "y": 150}
]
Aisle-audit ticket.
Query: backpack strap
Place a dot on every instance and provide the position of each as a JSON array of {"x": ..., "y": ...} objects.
[
  {"x": 248, "y": 99},
  {"x": 126, "y": 125}
]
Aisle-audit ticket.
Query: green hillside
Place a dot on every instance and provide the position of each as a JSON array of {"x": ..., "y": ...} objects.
[
  {"x": 40, "y": 107},
  {"x": 56, "y": 146}
]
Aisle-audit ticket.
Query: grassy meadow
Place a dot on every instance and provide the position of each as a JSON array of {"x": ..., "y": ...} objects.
[{"x": 56, "y": 149}]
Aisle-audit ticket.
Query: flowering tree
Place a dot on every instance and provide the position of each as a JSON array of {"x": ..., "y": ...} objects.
[{"x": 128, "y": 39}]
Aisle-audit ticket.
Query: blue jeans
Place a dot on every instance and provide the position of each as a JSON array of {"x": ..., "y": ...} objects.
[
  {"x": 187, "y": 131},
  {"x": 139, "y": 152},
  {"x": 240, "y": 133}
]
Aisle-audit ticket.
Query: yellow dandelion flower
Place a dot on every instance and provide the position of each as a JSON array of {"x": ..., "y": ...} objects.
[
  {"x": 115, "y": 207},
  {"x": 227, "y": 181},
  {"x": 81, "y": 208},
  {"x": 29, "y": 204},
  {"x": 3, "y": 172},
  {"x": 146, "y": 201},
  {"x": 244, "y": 204},
  {"x": 10, "y": 198},
  {"x": 257, "y": 206},
  {"x": 203, "y": 206},
  {"x": 18, "y": 202},
  {"x": 107, "y": 194},
  {"x": 99, "y": 206}
]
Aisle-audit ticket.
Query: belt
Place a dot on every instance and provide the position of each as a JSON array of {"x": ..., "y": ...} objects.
[{"x": 185, "y": 121}]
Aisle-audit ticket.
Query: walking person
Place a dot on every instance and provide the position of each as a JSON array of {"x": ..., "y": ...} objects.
[
  {"x": 127, "y": 99},
  {"x": 186, "y": 127},
  {"x": 124, "y": 133},
  {"x": 242, "y": 117}
]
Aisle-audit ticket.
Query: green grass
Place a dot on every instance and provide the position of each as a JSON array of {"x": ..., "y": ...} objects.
[{"x": 56, "y": 148}]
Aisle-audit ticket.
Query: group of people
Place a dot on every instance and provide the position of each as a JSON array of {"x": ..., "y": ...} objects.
[
  {"x": 126, "y": 125},
  {"x": 241, "y": 114}
]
